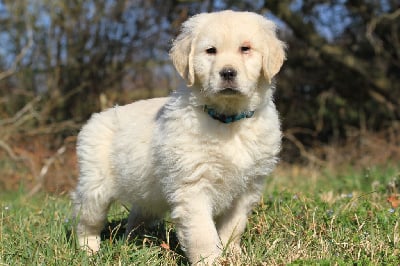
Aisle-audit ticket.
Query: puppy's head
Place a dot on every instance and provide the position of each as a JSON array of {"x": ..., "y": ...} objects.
[{"x": 228, "y": 53}]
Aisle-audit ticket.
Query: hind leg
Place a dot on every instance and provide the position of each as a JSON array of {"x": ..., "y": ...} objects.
[{"x": 91, "y": 206}]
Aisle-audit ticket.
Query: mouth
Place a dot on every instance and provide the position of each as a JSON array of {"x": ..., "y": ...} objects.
[{"x": 229, "y": 91}]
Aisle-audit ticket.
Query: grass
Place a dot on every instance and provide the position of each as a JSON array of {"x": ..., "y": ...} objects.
[{"x": 318, "y": 219}]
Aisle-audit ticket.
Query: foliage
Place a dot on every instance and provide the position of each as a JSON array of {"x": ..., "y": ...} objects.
[
  {"x": 82, "y": 56},
  {"x": 80, "y": 50},
  {"x": 343, "y": 65}
]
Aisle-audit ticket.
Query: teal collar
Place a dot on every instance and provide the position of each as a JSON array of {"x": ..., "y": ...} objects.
[{"x": 226, "y": 119}]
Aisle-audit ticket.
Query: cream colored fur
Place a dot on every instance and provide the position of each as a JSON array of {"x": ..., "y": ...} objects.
[{"x": 167, "y": 154}]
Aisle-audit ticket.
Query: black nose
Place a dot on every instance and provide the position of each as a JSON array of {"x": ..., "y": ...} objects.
[{"x": 228, "y": 73}]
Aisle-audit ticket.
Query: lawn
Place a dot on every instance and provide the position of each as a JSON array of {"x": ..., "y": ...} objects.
[{"x": 306, "y": 219}]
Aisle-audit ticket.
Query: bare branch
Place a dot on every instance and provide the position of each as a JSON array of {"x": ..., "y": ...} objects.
[
  {"x": 53, "y": 128},
  {"x": 18, "y": 58},
  {"x": 312, "y": 158},
  {"x": 45, "y": 169},
  {"x": 21, "y": 113},
  {"x": 9, "y": 151},
  {"x": 375, "y": 42}
]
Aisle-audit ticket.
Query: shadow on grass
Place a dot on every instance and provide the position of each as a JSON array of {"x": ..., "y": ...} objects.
[{"x": 146, "y": 236}]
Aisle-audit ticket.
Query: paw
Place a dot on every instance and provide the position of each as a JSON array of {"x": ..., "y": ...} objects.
[
  {"x": 206, "y": 258},
  {"x": 235, "y": 249},
  {"x": 90, "y": 244},
  {"x": 208, "y": 261}
]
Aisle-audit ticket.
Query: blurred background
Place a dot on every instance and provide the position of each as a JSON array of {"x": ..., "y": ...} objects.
[{"x": 338, "y": 93}]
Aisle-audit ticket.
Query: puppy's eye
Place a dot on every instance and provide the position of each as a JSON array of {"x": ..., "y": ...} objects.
[
  {"x": 211, "y": 50},
  {"x": 245, "y": 49}
]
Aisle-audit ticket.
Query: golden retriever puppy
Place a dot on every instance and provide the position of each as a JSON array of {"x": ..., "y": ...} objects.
[{"x": 202, "y": 153}]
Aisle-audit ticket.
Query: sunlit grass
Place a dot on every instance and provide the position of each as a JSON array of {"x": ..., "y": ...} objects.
[{"x": 319, "y": 220}]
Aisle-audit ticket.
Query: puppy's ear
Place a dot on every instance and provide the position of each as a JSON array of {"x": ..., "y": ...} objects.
[
  {"x": 273, "y": 51},
  {"x": 183, "y": 47}
]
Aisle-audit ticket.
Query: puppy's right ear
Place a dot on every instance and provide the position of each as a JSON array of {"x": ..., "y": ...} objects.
[{"x": 183, "y": 47}]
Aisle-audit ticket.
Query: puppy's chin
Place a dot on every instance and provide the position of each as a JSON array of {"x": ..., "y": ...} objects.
[
  {"x": 223, "y": 92},
  {"x": 229, "y": 92}
]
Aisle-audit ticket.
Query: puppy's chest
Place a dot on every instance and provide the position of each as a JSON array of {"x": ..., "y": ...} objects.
[
  {"x": 227, "y": 169},
  {"x": 232, "y": 155},
  {"x": 227, "y": 157},
  {"x": 230, "y": 160}
]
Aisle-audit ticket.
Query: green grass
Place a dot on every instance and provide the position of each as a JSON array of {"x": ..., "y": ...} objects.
[{"x": 323, "y": 219}]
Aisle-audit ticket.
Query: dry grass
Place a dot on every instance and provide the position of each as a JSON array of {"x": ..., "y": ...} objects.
[{"x": 43, "y": 162}]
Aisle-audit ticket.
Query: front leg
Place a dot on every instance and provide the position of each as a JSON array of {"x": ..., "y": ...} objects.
[
  {"x": 196, "y": 229},
  {"x": 232, "y": 223}
]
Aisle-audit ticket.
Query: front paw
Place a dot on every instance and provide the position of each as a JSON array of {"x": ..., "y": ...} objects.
[
  {"x": 214, "y": 259},
  {"x": 230, "y": 258},
  {"x": 235, "y": 249},
  {"x": 90, "y": 244}
]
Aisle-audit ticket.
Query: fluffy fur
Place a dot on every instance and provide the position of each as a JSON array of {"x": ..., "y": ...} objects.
[{"x": 167, "y": 154}]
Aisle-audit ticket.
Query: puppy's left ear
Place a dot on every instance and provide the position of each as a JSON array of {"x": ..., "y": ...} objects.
[{"x": 273, "y": 51}]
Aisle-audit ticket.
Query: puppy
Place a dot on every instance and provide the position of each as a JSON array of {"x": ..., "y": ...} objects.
[{"x": 202, "y": 153}]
